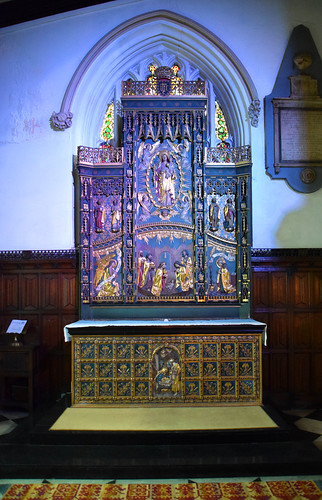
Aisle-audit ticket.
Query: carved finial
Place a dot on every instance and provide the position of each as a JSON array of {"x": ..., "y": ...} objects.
[
  {"x": 61, "y": 120},
  {"x": 254, "y": 111}
]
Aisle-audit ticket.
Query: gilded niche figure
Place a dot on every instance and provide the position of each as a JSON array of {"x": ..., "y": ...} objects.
[
  {"x": 116, "y": 215},
  {"x": 229, "y": 215},
  {"x": 223, "y": 278},
  {"x": 163, "y": 179},
  {"x": 214, "y": 215},
  {"x": 99, "y": 214}
]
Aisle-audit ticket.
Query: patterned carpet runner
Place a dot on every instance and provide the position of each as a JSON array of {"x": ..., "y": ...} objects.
[{"x": 284, "y": 490}]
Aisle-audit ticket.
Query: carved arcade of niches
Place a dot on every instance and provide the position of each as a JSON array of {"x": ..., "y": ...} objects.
[{"x": 164, "y": 218}]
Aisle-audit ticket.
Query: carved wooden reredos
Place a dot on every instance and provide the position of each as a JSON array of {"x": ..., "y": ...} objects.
[{"x": 164, "y": 219}]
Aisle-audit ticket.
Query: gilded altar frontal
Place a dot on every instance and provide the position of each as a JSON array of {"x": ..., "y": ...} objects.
[{"x": 167, "y": 369}]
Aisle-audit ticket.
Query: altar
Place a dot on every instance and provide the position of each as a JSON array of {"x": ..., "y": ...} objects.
[
  {"x": 164, "y": 237},
  {"x": 175, "y": 362}
]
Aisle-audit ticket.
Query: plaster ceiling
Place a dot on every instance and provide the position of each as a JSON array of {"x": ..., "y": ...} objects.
[{"x": 19, "y": 11}]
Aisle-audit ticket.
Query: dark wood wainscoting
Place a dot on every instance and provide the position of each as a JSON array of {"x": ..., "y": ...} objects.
[
  {"x": 42, "y": 287},
  {"x": 287, "y": 296}
]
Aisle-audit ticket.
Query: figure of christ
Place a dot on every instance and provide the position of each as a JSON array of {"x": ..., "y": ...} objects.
[{"x": 164, "y": 177}]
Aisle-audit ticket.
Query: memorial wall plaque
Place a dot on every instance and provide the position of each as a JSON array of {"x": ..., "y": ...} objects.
[{"x": 293, "y": 116}]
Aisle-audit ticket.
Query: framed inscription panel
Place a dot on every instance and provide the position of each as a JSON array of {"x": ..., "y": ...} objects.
[{"x": 297, "y": 127}]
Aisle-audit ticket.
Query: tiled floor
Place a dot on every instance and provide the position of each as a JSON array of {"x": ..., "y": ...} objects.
[
  {"x": 308, "y": 421},
  {"x": 9, "y": 420}
]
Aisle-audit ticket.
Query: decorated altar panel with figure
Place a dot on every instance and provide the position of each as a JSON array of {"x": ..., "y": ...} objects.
[{"x": 164, "y": 234}]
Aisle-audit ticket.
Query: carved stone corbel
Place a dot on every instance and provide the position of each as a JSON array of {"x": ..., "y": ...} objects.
[{"x": 61, "y": 120}]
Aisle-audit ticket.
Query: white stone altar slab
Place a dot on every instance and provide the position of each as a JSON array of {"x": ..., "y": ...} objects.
[{"x": 137, "y": 323}]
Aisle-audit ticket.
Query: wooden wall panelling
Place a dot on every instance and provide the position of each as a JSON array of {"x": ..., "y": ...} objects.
[
  {"x": 316, "y": 387},
  {"x": 260, "y": 291},
  {"x": 68, "y": 287},
  {"x": 49, "y": 292},
  {"x": 317, "y": 330},
  {"x": 279, "y": 285},
  {"x": 301, "y": 331},
  {"x": 316, "y": 289},
  {"x": 42, "y": 287},
  {"x": 293, "y": 305},
  {"x": 302, "y": 294},
  {"x": 278, "y": 328},
  {"x": 9, "y": 292},
  {"x": 301, "y": 375}
]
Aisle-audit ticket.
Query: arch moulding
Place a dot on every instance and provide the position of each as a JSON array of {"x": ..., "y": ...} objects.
[{"x": 219, "y": 64}]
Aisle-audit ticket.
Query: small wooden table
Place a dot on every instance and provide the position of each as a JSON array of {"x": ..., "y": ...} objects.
[{"x": 18, "y": 365}]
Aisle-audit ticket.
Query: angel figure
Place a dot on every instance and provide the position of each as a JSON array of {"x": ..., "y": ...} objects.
[
  {"x": 186, "y": 205},
  {"x": 183, "y": 151},
  {"x": 145, "y": 206},
  {"x": 145, "y": 152}
]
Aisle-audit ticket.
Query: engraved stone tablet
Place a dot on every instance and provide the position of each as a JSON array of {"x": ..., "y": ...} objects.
[{"x": 297, "y": 132}]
